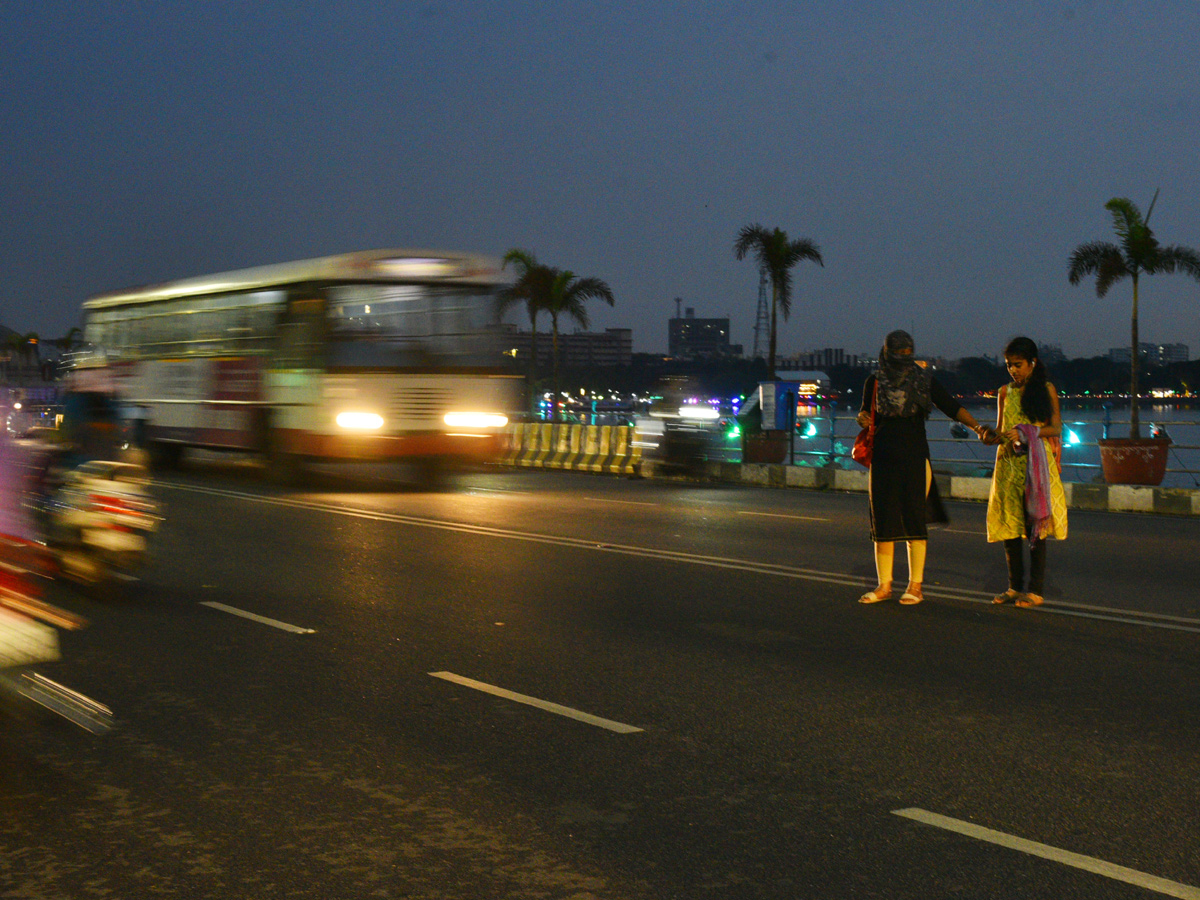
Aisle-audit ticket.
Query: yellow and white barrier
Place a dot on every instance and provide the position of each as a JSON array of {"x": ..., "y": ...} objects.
[{"x": 586, "y": 448}]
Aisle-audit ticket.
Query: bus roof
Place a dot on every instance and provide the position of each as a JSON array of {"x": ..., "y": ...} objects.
[{"x": 428, "y": 266}]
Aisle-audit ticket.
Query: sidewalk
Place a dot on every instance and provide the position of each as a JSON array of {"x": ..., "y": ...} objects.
[{"x": 1104, "y": 497}]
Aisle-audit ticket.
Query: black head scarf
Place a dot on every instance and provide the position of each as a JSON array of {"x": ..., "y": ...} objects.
[{"x": 903, "y": 385}]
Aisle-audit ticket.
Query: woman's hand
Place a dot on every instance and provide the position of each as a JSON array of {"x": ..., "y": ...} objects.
[
  {"x": 863, "y": 419},
  {"x": 986, "y": 435}
]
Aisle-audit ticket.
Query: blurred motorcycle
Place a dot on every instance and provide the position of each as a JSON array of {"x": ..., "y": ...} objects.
[
  {"x": 28, "y": 637},
  {"x": 98, "y": 521}
]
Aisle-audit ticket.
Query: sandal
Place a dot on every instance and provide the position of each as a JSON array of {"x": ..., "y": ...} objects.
[
  {"x": 1030, "y": 600},
  {"x": 882, "y": 592},
  {"x": 1007, "y": 597},
  {"x": 912, "y": 594}
]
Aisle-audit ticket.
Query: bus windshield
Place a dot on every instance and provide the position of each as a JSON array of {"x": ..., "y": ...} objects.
[{"x": 411, "y": 325}]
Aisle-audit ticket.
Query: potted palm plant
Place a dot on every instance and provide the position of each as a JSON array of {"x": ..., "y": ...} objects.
[
  {"x": 1136, "y": 459},
  {"x": 777, "y": 254}
]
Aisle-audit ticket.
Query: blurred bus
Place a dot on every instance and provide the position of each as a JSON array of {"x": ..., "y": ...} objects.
[{"x": 381, "y": 355}]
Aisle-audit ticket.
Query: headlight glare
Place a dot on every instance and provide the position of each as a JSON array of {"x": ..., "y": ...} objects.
[
  {"x": 359, "y": 421},
  {"x": 475, "y": 420}
]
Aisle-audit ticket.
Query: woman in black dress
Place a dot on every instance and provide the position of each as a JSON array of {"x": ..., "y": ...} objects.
[{"x": 903, "y": 494}]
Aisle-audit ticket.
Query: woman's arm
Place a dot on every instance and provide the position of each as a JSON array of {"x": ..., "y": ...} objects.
[
  {"x": 953, "y": 409},
  {"x": 864, "y": 412},
  {"x": 1053, "y": 428}
]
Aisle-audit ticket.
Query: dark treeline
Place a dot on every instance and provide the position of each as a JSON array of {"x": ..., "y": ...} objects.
[
  {"x": 1076, "y": 377},
  {"x": 966, "y": 378}
]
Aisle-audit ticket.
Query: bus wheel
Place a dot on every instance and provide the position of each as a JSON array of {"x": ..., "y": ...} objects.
[
  {"x": 164, "y": 456},
  {"x": 433, "y": 473},
  {"x": 283, "y": 468}
]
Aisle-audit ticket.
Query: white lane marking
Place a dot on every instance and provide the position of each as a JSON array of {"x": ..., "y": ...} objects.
[
  {"x": 625, "y": 502},
  {"x": 1062, "y": 608},
  {"x": 742, "y": 512},
  {"x": 274, "y": 623},
  {"x": 1045, "y": 851},
  {"x": 618, "y": 727}
]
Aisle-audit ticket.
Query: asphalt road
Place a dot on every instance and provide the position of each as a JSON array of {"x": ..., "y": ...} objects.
[{"x": 550, "y": 685}]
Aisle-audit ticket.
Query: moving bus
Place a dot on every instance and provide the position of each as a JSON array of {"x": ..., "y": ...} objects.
[{"x": 382, "y": 355}]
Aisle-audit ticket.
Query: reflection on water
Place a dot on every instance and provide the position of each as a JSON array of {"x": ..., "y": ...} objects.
[{"x": 824, "y": 434}]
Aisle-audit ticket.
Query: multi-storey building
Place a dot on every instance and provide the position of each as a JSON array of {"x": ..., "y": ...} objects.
[
  {"x": 579, "y": 349},
  {"x": 1152, "y": 354},
  {"x": 692, "y": 338}
]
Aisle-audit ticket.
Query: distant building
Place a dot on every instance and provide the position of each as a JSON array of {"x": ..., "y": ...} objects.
[
  {"x": 579, "y": 349},
  {"x": 824, "y": 359},
  {"x": 1052, "y": 354},
  {"x": 692, "y": 338},
  {"x": 1152, "y": 354}
]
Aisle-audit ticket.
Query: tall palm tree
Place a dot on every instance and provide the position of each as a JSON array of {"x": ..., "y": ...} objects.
[
  {"x": 532, "y": 288},
  {"x": 569, "y": 296},
  {"x": 72, "y": 340},
  {"x": 1138, "y": 253},
  {"x": 776, "y": 256}
]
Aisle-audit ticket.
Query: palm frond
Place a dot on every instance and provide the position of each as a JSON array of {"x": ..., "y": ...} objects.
[
  {"x": 1103, "y": 259},
  {"x": 751, "y": 237},
  {"x": 1177, "y": 259},
  {"x": 1125, "y": 215}
]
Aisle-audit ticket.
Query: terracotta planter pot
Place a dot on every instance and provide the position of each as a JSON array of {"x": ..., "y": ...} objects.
[
  {"x": 765, "y": 447},
  {"x": 1134, "y": 460}
]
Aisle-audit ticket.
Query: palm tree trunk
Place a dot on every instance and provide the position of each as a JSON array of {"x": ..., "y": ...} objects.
[
  {"x": 554, "y": 354},
  {"x": 771, "y": 354},
  {"x": 1135, "y": 427},
  {"x": 533, "y": 402}
]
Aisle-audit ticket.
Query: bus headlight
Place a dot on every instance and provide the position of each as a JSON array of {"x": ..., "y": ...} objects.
[
  {"x": 475, "y": 420},
  {"x": 359, "y": 421}
]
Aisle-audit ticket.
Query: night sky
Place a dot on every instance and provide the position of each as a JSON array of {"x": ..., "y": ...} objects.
[{"x": 946, "y": 157}]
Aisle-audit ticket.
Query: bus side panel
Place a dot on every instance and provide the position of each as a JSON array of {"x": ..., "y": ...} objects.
[
  {"x": 200, "y": 402},
  {"x": 237, "y": 394},
  {"x": 293, "y": 398}
]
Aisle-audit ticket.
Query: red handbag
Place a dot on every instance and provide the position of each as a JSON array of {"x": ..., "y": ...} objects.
[{"x": 864, "y": 444}]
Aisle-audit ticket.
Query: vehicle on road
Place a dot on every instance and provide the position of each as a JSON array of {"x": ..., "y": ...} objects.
[
  {"x": 387, "y": 355},
  {"x": 98, "y": 522}
]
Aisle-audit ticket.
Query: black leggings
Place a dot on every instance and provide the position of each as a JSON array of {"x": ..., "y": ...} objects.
[{"x": 1015, "y": 553}]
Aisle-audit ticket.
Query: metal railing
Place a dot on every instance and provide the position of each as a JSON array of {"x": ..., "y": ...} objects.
[{"x": 827, "y": 439}]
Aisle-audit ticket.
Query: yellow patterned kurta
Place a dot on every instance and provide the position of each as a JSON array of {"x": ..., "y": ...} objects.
[{"x": 1006, "y": 502}]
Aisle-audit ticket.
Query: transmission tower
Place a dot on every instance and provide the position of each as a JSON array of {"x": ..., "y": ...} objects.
[{"x": 762, "y": 322}]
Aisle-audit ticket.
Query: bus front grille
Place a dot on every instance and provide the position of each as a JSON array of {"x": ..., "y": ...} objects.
[{"x": 421, "y": 404}]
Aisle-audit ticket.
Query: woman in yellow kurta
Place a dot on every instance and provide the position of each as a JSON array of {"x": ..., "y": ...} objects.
[{"x": 1030, "y": 401}]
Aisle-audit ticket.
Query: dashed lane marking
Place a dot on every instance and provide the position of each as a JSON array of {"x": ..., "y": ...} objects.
[
  {"x": 556, "y": 708},
  {"x": 274, "y": 623},
  {"x": 742, "y": 512},
  {"x": 1045, "y": 851}
]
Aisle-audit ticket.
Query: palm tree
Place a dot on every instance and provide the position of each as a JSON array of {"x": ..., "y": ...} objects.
[
  {"x": 531, "y": 287},
  {"x": 1138, "y": 253},
  {"x": 569, "y": 296},
  {"x": 72, "y": 340},
  {"x": 776, "y": 255}
]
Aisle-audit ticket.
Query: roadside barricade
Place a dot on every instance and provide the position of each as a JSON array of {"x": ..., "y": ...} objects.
[{"x": 608, "y": 449}]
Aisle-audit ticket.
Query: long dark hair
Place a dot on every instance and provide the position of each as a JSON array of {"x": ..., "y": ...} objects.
[{"x": 1035, "y": 398}]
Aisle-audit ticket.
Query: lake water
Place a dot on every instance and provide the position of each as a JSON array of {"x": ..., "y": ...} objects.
[{"x": 819, "y": 434}]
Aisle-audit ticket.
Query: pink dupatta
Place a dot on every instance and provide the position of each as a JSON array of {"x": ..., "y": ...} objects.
[{"x": 1037, "y": 482}]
